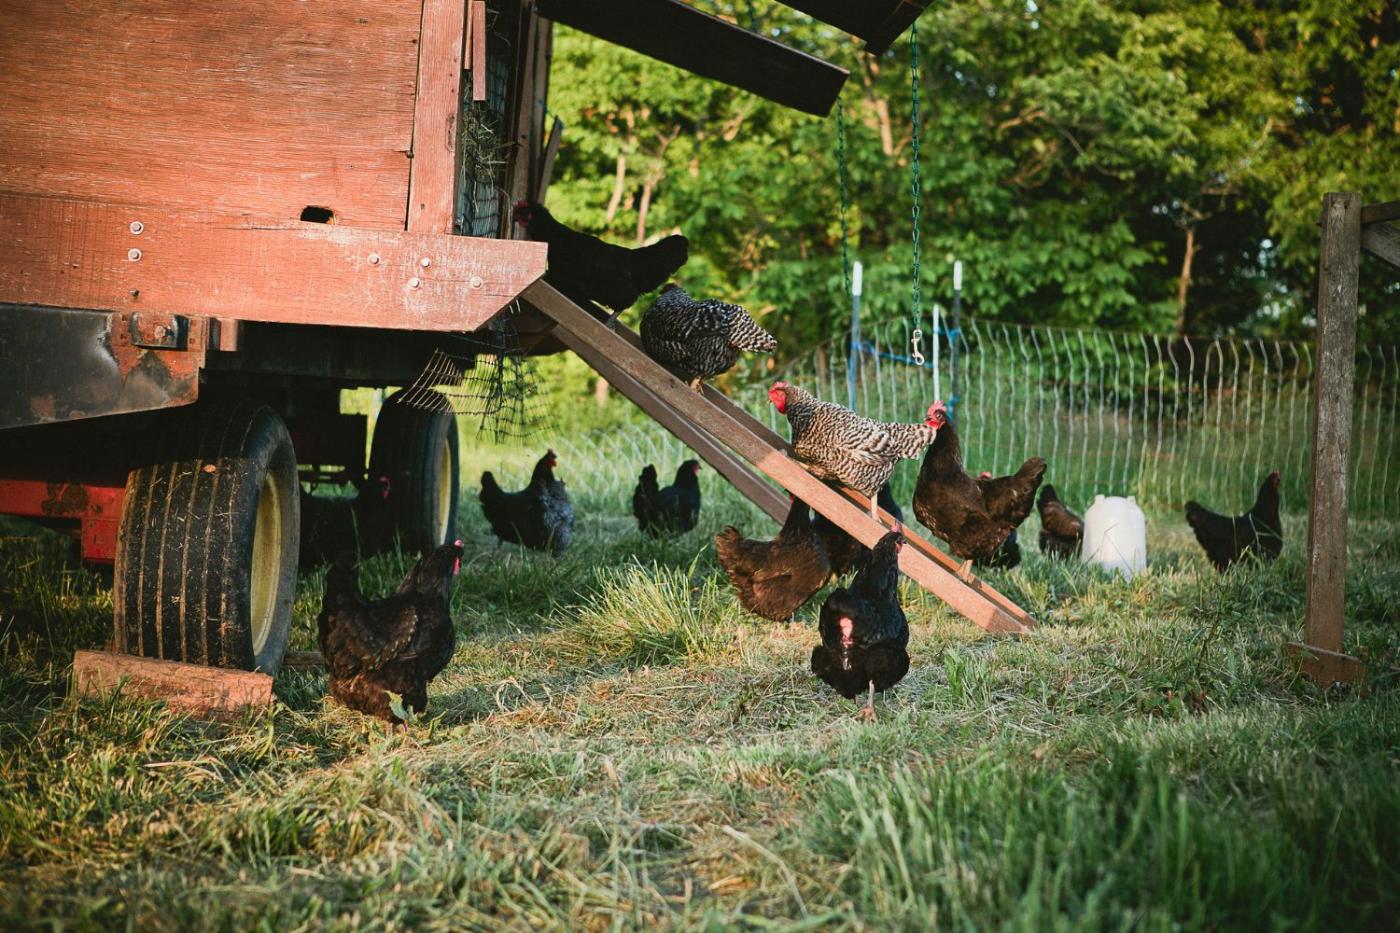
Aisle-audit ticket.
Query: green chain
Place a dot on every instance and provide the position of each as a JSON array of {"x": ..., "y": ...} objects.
[
  {"x": 915, "y": 185},
  {"x": 845, "y": 195}
]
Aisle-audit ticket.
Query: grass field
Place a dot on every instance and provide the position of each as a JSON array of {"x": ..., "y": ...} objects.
[{"x": 617, "y": 745}]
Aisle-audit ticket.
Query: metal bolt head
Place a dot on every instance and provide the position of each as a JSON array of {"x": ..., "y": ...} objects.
[
  {"x": 413, "y": 282},
  {"x": 425, "y": 262},
  {"x": 374, "y": 259},
  {"x": 137, "y": 227},
  {"x": 475, "y": 281},
  {"x": 133, "y": 254}
]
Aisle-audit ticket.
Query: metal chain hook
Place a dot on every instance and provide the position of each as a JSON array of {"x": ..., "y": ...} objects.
[{"x": 916, "y": 343}]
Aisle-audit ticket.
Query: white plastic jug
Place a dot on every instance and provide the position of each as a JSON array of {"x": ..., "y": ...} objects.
[{"x": 1115, "y": 535}]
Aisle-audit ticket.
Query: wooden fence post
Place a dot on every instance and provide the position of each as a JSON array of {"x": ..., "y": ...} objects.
[{"x": 1338, "y": 274}]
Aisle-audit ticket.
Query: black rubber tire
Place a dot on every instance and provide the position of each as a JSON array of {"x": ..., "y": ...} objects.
[
  {"x": 185, "y": 586},
  {"x": 412, "y": 446}
]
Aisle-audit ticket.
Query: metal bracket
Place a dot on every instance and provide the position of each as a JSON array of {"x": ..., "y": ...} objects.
[{"x": 152, "y": 330}]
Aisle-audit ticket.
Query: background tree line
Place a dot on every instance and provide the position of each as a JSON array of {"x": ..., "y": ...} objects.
[{"x": 1136, "y": 165}]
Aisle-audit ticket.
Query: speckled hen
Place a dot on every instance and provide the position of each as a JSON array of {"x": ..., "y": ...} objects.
[
  {"x": 838, "y": 445},
  {"x": 699, "y": 339}
]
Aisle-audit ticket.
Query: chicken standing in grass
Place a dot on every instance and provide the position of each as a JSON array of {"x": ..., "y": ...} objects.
[
  {"x": 377, "y": 647},
  {"x": 838, "y": 445},
  {"x": 844, "y": 552},
  {"x": 1061, "y": 531},
  {"x": 584, "y": 267},
  {"x": 774, "y": 578},
  {"x": 1257, "y": 533},
  {"x": 865, "y": 635},
  {"x": 674, "y": 509},
  {"x": 975, "y": 518},
  {"x": 539, "y": 516},
  {"x": 699, "y": 339}
]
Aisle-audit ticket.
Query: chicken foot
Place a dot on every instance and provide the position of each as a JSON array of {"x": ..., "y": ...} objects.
[{"x": 867, "y": 712}]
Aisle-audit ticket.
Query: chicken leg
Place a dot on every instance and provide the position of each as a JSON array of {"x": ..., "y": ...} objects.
[
  {"x": 965, "y": 573},
  {"x": 867, "y": 712}
]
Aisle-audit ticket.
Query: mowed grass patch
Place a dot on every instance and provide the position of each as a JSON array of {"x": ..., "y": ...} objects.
[{"x": 617, "y": 745}]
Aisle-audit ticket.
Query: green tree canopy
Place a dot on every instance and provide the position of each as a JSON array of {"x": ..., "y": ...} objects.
[{"x": 1137, "y": 165}]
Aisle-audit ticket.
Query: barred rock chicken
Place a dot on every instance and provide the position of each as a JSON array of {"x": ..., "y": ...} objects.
[
  {"x": 1061, "y": 531},
  {"x": 844, "y": 552},
  {"x": 375, "y": 647},
  {"x": 774, "y": 578},
  {"x": 838, "y": 445},
  {"x": 1257, "y": 532},
  {"x": 865, "y": 636},
  {"x": 538, "y": 516},
  {"x": 583, "y": 266},
  {"x": 955, "y": 507},
  {"x": 699, "y": 339},
  {"x": 673, "y": 509}
]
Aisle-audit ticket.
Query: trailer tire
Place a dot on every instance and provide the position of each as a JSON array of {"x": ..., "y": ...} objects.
[
  {"x": 416, "y": 449},
  {"x": 206, "y": 564}
]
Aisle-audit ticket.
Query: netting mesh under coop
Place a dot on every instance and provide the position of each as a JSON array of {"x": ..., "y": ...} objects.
[{"x": 486, "y": 379}]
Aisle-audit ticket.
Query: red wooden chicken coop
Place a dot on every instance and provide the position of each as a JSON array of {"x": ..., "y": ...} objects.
[{"x": 216, "y": 216}]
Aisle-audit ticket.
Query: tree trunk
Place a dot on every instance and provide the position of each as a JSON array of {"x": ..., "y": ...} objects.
[
  {"x": 619, "y": 183},
  {"x": 1183, "y": 283}
]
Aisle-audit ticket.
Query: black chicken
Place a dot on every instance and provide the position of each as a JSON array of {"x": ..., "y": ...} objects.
[
  {"x": 583, "y": 266},
  {"x": 774, "y": 578},
  {"x": 538, "y": 516},
  {"x": 1257, "y": 532},
  {"x": 865, "y": 636},
  {"x": 1061, "y": 531},
  {"x": 393, "y": 645},
  {"x": 844, "y": 552},
  {"x": 699, "y": 339},
  {"x": 674, "y": 509}
]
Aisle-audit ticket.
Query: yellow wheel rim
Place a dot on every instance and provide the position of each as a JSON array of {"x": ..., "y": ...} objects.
[
  {"x": 267, "y": 562},
  {"x": 444, "y": 491}
]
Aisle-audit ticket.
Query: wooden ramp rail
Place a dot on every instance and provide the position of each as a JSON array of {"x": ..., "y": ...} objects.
[{"x": 717, "y": 429}]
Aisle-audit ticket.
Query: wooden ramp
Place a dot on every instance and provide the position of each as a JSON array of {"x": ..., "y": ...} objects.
[{"x": 722, "y": 433}]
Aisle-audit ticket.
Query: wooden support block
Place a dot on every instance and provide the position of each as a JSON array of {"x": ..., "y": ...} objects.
[
  {"x": 605, "y": 348},
  {"x": 186, "y": 688},
  {"x": 1338, "y": 276},
  {"x": 1327, "y": 667}
]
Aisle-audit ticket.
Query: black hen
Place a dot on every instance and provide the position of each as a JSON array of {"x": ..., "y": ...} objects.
[
  {"x": 865, "y": 636},
  {"x": 671, "y": 510},
  {"x": 844, "y": 552},
  {"x": 698, "y": 339},
  {"x": 1257, "y": 532},
  {"x": 583, "y": 266},
  {"x": 1061, "y": 531},
  {"x": 774, "y": 578},
  {"x": 374, "y": 647},
  {"x": 538, "y": 516}
]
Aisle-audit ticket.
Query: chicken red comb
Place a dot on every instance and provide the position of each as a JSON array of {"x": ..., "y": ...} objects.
[
  {"x": 458, "y": 542},
  {"x": 938, "y": 406},
  {"x": 780, "y": 384},
  {"x": 985, "y": 474}
]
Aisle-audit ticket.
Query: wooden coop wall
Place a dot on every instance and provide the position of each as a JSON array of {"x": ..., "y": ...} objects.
[{"x": 248, "y": 106}]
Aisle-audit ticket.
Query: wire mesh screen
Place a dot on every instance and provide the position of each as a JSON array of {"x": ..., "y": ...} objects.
[
  {"x": 1164, "y": 418},
  {"x": 486, "y": 379},
  {"x": 481, "y": 168}
]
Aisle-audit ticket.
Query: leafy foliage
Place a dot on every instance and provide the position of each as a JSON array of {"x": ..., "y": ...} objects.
[{"x": 1071, "y": 154}]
